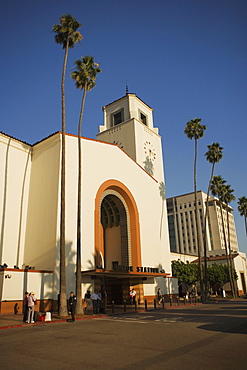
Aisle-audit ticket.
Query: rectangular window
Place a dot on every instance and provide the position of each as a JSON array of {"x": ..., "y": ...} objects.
[
  {"x": 117, "y": 117},
  {"x": 143, "y": 118}
]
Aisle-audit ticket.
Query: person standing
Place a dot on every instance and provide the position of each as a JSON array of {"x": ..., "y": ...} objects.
[
  {"x": 133, "y": 296},
  {"x": 72, "y": 304},
  {"x": 88, "y": 300},
  {"x": 30, "y": 303},
  {"x": 25, "y": 307},
  {"x": 96, "y": 302}
]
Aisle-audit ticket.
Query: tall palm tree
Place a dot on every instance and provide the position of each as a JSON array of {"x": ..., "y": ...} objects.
[
  {"x": 213, "y": 155},
  {"x": 194, "y": 130},
  {"x": 219, "y": 188},
  {"x": 242, "y": 207},
  {"x": 66, "y": 35},
  {"x": 84, "y": 76},
  {"x": 227, "y": 197}
]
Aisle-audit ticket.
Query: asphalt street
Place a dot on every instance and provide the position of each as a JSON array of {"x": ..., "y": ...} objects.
[{"x": 211, "y": 335}]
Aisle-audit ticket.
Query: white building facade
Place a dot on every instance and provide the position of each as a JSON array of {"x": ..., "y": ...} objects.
[
  {"x": 182, "y": 230},
  {"x": 125, "y": 240},
  {"x": 183, "y": 237}
]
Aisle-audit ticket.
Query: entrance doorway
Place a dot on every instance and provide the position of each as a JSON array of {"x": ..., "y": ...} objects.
[{"x": 116, "y": 239}]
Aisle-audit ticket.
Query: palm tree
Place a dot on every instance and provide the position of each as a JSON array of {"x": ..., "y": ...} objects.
[
  {"x": 84, "y": 76},
  {"x": 213, "y": 155},
  {"x": 194, "y": 130},
  {"x": 242, "y": 207},
  {"x": 227, "y": 197},
  {"x": 220, "y": 189},
  {"x": 66, "y": 35}
]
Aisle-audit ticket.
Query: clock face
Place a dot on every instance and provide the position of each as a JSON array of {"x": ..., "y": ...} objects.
[{"x": 149, "y": 151}]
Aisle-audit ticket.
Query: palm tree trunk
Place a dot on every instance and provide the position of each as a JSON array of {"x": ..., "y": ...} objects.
[
  {"x": 205, "y": 236},
  {"x": 63, "y": 311},
  {"x": 79, "y": 310},
  {"x": 197, "y": 228},
  {"x": 225, "y": 241},
  {"x": 230, "y": 258}
]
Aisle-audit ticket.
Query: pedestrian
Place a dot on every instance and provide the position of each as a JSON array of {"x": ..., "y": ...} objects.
[
  {"x": 30, "y": 303},
  {"x": 159, "y": 296},
  {"x": 133, "y": 296},
  {"x": 25, "y": 307},
  {"x": 88, "y": 300},
  {"x": 96, "y": 302},
  {"x": 72, "y": 304}
]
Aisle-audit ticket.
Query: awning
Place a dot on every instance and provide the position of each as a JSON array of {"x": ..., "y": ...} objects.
[{"x": 124, "y": 274}]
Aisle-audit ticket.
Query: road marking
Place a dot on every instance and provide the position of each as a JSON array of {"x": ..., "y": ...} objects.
[
  {"x": 165, "y": 320},
  {"x": 124, "y": 320}
]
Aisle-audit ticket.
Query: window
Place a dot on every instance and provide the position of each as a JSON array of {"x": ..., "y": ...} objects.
[
  {"x": 143, "y": 118},
  {"x": 117, "y": 117}
]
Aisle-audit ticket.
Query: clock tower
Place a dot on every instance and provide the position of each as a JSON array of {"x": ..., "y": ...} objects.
[{"x": 128, "y": 122}]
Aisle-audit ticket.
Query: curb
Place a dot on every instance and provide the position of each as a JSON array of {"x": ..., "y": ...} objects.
[
  {"x": 26, "y": 325},
  {"x": 89, "y": 317}
]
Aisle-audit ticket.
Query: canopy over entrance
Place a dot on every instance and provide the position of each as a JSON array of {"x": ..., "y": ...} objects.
[{"x": 117, "y": 284}]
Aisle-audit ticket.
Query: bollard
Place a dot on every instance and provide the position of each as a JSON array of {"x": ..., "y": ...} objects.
[
  {"x": 146, "y": 305},
  {"x": 184, "y": 300},
  {"x": 154, "y": 303},
  {"x": 112, "y": 307},
  {"x": 163, "y": 302},
  {"x": 135, "y": 306},
  {"x": 124, "y": 305},
  {"x": 170, "y": 298},
  {"x": 178, "y": 300}
]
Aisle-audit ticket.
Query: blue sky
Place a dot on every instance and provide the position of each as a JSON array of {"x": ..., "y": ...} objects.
[{"x": 184, "y": 58}]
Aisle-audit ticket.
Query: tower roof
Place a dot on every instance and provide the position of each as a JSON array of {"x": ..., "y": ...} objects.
[{"x": 123, "y": 97}]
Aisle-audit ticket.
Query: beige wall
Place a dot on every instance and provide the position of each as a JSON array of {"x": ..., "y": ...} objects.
[
  {"x": 14, "y": 285},
  {"x": 14, "y": 187},
  {"x": 114, "y": 164},
  {"x": 41, "y": 235}
]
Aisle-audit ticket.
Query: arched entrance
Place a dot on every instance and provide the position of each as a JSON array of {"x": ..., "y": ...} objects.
[
  {"x": 117, "y": 236},
  {"x": 116, "y": 231}
]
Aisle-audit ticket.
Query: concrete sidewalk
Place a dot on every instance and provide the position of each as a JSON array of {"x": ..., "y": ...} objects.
[{"x": 8, "y": 321}]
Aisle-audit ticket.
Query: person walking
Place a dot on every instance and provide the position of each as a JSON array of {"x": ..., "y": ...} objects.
[
  {"x": 30, "y": 303},
  {"x": 72, "y": 304},
  {"x": 159, "y": 296}
]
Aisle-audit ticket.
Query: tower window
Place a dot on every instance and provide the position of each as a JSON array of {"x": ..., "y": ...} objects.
[
  {"x": 117, "y": 117},
  {"x": 143, "y": 118}
]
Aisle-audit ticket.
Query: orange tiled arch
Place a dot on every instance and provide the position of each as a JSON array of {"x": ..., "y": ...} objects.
[{"x": 134, "y": 219}]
